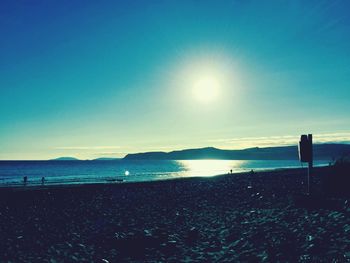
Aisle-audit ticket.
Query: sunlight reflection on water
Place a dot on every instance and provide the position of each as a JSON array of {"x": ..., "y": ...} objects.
[{"x": 210, "y": 167}]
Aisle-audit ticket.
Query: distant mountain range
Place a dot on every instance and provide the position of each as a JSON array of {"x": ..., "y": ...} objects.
[
  {"x": 65, "y": 159},
  {"x": 106, "y": 159},
  {"x": 321, "y": 152},
  {"x": 76, "y": 159}
]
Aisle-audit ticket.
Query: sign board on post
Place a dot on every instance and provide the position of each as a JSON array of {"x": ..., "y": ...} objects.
[
  {"x": 305, "y": 148},
  {"x": 306, "y": 154}
]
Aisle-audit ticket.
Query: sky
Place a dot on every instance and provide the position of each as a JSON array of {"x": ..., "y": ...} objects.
[{"x": 106, "y": 78}]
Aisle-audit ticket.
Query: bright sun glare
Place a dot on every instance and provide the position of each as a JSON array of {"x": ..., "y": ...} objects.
[
  {"x": 206, "y": 88},
  {"x": 206, "y": 77}
]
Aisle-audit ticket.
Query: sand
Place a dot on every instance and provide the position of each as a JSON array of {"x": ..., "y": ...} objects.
[{"x": 231, "y": 218}]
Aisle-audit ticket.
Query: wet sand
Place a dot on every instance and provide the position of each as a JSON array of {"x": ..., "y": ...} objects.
[{"x": 231, "y": 218}]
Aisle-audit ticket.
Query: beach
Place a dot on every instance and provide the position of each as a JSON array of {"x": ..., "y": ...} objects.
[{"x": 248, "y": 217}]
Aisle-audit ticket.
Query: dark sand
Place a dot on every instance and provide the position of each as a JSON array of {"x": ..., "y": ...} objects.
[{"x": 218, "y": 219}]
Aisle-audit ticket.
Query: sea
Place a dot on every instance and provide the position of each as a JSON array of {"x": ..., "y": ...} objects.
[{"x": 12, "y": 173}]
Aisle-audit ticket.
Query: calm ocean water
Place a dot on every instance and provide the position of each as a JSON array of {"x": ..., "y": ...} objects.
[{"x": 77, "y": 172}]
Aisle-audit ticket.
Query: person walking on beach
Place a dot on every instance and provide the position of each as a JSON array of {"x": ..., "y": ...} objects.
[
  {"x": 25, "y": 179},
  {"x": 43, "y": 180}
]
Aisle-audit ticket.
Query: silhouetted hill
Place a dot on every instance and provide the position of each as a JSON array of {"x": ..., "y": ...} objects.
[
  {"x": 106, "y": 159},
  {"x": 65, "y": 159},
  {"x": 321, "y": 152}
]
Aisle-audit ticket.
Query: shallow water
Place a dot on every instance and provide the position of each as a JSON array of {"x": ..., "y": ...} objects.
[{"x": 76, "y": 172}]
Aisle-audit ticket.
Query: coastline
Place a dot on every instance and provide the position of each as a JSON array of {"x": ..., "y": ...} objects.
[
  {"x": 226, "y": 218},
  {"x": 120, "y": 180},
  {"x": 108, "y": 182},
  {"x": 81, "y": 172}
]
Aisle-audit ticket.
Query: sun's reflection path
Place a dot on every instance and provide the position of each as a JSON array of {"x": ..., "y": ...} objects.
[{"x": 210, "y": 167}]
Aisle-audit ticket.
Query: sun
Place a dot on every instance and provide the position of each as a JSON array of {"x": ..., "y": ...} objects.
[
  {"x": 205, "y": 77},
  {"x": 206, "y": 88}
]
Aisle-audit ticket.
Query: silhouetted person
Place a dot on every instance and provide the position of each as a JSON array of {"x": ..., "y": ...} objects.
[
  {"x": 42, "y": 180},
  {"x": 231, "y": 171},
  {"x": 25, "y": 179}
]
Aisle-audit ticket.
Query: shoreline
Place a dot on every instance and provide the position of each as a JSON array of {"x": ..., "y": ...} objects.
[
  {"x": 116, "y": 182},
  {"x": 108, "y": 172}
]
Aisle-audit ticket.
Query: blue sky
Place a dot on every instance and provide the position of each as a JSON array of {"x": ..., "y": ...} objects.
[{"x": 105, "y": 78}]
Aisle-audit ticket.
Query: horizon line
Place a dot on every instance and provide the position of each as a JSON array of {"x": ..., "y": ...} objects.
[{"x": 103, "y": 157}]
